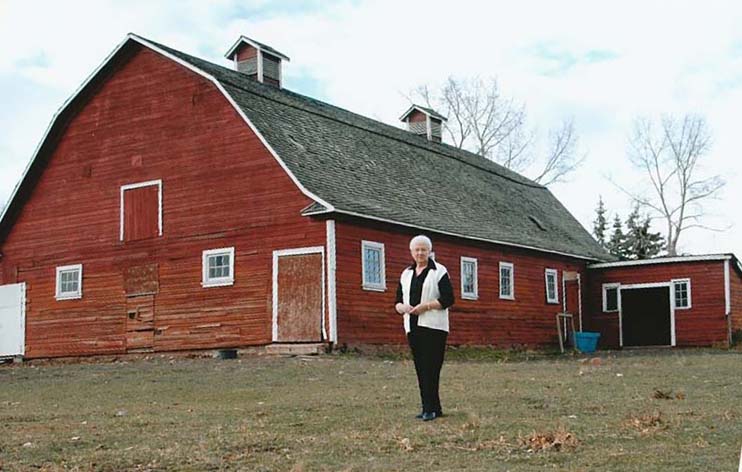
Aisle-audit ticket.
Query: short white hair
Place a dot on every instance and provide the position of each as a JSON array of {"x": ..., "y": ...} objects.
[{"x": 421, "y": 238}]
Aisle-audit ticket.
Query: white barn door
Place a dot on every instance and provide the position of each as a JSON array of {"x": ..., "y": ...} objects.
[{"x": 12, "y": 319}]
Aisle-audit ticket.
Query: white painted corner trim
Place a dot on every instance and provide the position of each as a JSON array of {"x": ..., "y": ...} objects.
[
  {"x": 727, "y": 290},
  {"x": 332, "y": 280},
  {"x": 149, "y": 183},
  {"x": 296, "y": 252}
]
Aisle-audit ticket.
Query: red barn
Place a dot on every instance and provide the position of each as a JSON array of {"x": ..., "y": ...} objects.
[{"x": 177, "y": 204}]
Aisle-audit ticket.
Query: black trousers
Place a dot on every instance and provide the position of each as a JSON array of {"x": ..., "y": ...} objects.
[{"x": 428, "y": 348}]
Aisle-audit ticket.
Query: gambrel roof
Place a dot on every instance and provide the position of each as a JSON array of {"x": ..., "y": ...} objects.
[{"x": 353, "y": 165}]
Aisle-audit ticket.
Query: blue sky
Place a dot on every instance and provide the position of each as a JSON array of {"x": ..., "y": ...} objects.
[{"x": 603, "y": 64}]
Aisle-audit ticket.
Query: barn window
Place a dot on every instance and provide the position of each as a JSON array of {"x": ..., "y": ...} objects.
[
  {"x": 372, "y": 262},
  {"x": 552, "y": 288},
  {"x": 469, "y": 284},
  {"x": 610, "y": 297},
  {"x": 507, "y": 281},
  {"x": 141, "y": 211},
  {"x": 681, "y": 289},
  {"x": 218, "y": 267},
  {"x": 69, "y": 282}
]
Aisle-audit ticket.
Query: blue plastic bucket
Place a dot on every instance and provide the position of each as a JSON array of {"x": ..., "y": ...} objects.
[{"x": 586, "y": 341}]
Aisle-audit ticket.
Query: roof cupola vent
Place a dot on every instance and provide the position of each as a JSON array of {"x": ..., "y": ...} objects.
[
  {"x": 424, "y": 122},
  {"x": 257, "y": 60}
]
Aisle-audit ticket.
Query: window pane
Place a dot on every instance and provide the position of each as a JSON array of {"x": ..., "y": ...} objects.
[
  {"x": 550, "y": 286},
  {"x": 681, "y": 294},
  {"x": 505, "y": 288},
  {"x": 219, "y": 266},
  {"x": 468, "y": 277},
  {"x": 373, "y": 265}
]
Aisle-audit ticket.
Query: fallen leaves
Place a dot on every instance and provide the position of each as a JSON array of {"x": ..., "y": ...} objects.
[
  {"x": 559, "y": 440},
  {"x": 648, "y": 423}
]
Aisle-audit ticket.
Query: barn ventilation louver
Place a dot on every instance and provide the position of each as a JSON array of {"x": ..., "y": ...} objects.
[
  {"x": 424, "y": 122},
  {"x": 257, "y": 60}
]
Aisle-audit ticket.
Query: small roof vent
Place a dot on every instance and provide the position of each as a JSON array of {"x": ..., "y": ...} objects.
[
  {"x": 424, "y": 122},
  {"x": 257, "y": 60}
]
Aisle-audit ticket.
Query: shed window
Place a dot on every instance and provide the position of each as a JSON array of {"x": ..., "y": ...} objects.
[
  {"x": 469, "y": 278},
  {"x": 610, "y": 297},
  {"x": 552, "y": 288},
  {"x": 681, "y": 289},
  {"x": 507, "y": 281},
  {"x": 218, "y": 267},
  {"x": 69, "y": 282},
  {"x": 141, "y": 211},
  {"x": 372, "y": 265}
]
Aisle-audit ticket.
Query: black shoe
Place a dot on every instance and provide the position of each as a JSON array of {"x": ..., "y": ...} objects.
[
  {"x": 419, "y": 416},
  {"x": 429, "y": 416}
]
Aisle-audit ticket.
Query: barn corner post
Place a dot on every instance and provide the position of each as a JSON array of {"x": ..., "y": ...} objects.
[{"x": 331, "y": 281}]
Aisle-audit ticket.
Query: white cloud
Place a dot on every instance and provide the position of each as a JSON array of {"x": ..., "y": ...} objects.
[{"x": 367, "y": 55}]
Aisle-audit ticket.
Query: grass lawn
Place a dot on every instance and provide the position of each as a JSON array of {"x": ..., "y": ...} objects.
[{"x": 631, "y": 410}]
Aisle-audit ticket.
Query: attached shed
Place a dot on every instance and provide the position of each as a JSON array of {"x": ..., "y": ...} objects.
[{"x": 671, "y": 301}]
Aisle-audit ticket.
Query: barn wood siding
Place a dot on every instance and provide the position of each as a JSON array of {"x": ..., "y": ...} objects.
[
  {"x": 701, "y": 325},
  {"x": 153, "y": 119},
  {"x": 735, "y": 289},
  {"x": 368, "y": 317}
]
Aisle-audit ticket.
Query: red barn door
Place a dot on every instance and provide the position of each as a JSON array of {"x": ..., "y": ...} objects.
[{"x": 298, "y": 293}]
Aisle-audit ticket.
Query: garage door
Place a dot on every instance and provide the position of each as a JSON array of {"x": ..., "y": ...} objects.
[{"x": 12, "y": 319}]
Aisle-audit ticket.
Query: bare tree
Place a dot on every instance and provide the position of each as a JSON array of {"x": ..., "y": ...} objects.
[
  {"x": 670, "y": 154},
  {"x": 482, "y": 120},
  {"x": 561, "y": 157}
]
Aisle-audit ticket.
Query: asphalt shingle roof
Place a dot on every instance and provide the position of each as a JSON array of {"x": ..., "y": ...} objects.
[{"x": 365, "y": 167}]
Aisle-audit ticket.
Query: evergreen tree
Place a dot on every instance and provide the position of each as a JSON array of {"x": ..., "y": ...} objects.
[
  {"x": 640, "y": 243},
  {"x": 600, "y": 225},
  {"x": 617, "y": 243}
]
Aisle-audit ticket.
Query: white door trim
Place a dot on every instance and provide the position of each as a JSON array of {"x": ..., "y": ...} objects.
[
  {"x": 296, "y": 252},
  {"x": 647, "y": 285}
]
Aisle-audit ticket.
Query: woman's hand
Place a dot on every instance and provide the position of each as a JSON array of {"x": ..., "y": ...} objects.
[
  {"x": 403, "y": 308},
  {"x": 420, "y": 309}
]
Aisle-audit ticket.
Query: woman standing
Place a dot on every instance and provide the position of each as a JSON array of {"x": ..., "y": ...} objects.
[{"x": 424, "y": 295}]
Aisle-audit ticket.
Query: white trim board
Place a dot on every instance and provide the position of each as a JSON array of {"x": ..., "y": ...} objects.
[
  {"x": 331, "y": 280},
  {"x": 555, "y": 273},
  {"x": 661, "y": 260},
  {"x": 727, "y": 290},
  {"x": 159, "y": 204},
  {"x": 296, "y": 252}
]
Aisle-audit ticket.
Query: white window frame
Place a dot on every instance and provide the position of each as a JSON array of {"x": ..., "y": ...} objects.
[
  {"x": 380, "y": 287},
  {"x": 475, "y": 294},
  {"x": 59, "y": 295},
  {"x": 509, "y": 265},
  {"x": 607, "y": 287},
  {"x": 206, "y": 281},
  {"x": 159, "y": 203},
  {"x": 680, "y": 281},
  {"x": 555, "y": 273}
]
